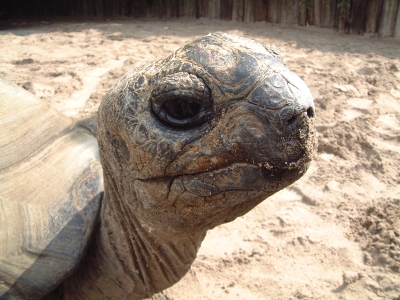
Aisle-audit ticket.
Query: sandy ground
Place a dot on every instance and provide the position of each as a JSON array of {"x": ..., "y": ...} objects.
[{"x": 334, "y": 234}]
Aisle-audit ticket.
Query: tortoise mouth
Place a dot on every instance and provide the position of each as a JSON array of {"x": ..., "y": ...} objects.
[
  {"x": 208, "y": 199},
  {"x": 224, "y": 187}
]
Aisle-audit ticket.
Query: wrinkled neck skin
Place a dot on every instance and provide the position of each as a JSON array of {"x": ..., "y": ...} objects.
[{"x": 127, "y": 259}]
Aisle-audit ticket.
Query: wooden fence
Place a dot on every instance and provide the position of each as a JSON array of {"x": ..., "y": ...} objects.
[{"x": 374, "y": 17}]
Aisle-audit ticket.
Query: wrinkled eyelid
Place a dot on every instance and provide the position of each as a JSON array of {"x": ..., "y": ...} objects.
[
  {"x": 179, "y": 81},
  {"x": 181, "y": 85}
]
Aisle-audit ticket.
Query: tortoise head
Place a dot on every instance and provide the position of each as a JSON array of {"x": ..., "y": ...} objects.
[{"x": 201, "y": 137}]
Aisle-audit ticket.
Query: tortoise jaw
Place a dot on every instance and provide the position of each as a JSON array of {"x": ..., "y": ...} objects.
[
  {"x": 193, "y": 191},
  {"x": 208, "y": 199}
]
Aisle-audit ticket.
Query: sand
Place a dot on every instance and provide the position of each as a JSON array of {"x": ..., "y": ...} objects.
[{"x": 334, "y": 234}]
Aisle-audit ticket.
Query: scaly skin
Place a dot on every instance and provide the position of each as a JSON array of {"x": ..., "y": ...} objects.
[{"x": 173, "y": 169}]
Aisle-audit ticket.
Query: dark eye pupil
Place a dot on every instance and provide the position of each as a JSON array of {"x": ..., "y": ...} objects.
[{"x": 181, "y": 109}]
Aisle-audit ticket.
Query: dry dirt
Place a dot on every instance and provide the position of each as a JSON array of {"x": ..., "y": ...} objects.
[{"x": 334, "y": 234}]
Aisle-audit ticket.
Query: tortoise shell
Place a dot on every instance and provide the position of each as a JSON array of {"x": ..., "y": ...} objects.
[{"x": 50, "y": 193}]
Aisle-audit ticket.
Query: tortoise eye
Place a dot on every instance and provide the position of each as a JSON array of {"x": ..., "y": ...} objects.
[
  {"x": 181, "y": 100},
  {"x": 181, "y": 109}
]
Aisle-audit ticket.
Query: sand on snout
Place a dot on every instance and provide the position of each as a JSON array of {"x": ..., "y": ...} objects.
[{"x": 334, "y": 234}]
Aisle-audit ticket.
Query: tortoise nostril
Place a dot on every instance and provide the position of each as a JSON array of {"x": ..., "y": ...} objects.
[
  {"x": 310, "y": 112},
  {"x": 292, "y": 120}
]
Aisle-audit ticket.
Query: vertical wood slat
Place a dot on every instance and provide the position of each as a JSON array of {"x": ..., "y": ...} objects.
[
  {"x": 116, "y": 8},
  {"x": 226, "y": 10},
  {"x": 99, "y": 8},
  {"x": 237, "y": 10},
  {"x": 292, "y": 12},
  {"x": 154, "y": 9},
  {"x": 84, "y": 8},
  {"x": 176, "y": 4},
  {"x": 42, "y": 7},
  {"x": 188, "y": 8},
  {"x": 248, "y": 11},
  {"x": 59, "y": 9},
  {"x": 327, "y": 15},
  {"x": 397, "y": 27},
  {"x": 202, "y": 7},
  {"x": 342, "y": 16},
  {"x": 90, "y": 8},
  {"x": 286, "y": 12},
  {"x": 124, "y": 7},
  {"x": 165, "y": 9},
  {"x": 358, "y": 16},
  {"x": 388, "y": 19},
  {"x": 297, "y": 11},
  {"x": 135, "y": 7},
  {"x": 302, "y": 13},
  {"x": 107, "y": 8},
  {"x": 260, "y": 10},
  {"x": 317, "y": 12},
  {"x": 171, "y": 9},
  {"x": 274, "y": 11},
  {"x": 214, "y": 9},
  {"x": 310, "y": 17},
  {"x": 374, "y": 12},
  {"x": 71, "y": 8}
]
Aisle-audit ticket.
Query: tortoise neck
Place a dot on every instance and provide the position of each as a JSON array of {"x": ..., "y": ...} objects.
[{"x": 127, "y": 259}]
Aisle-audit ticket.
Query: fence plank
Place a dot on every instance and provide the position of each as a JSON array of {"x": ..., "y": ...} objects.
[
  {"x": 60, "y": 9},
  {"x": 248, "y": 11},
  {"x": 91, "y": 8},
  {"x": 214, "y": 9},
  {"x": 124, "y": 8},
  {"x": 107, "y": 8},
  {"x": 342, "y": 15},
  {"x": 170, "y": 9},
  {"x": 238, "y": 10},
  {"x": 302, "y": 13},
  {"x": 98, "y": 8},
  {"x": 44, "y": 7},
  {"x": 260, "y": 10},
  {"x": 76, "y": 8},
  {"x": 358, "y": 16},
  {"x": 373, "y": 15},
  {"x": 286, "y": 12},
  {"x": 310, "y": 13},
  {"x": 388, "y": 19},
  {"x": 166, "y": 9},
  {"x": 154, "y": 9},
  {"x": 226, "y": 10},
  {"x": 328, "y": 13},
  {"x": 397, "y": 27},
  {"x": 116, "y": 8},
  {"x": 317, "y": 12},
  {"x": 137, "y": 9},
  {"x": 202, "y": 8},
  {"x": 274, "y": 11},
  {"x": 188, "y": 9}
]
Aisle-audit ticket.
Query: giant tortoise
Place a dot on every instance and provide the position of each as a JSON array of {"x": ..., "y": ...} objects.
[{"x": 119, "y": 210}]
